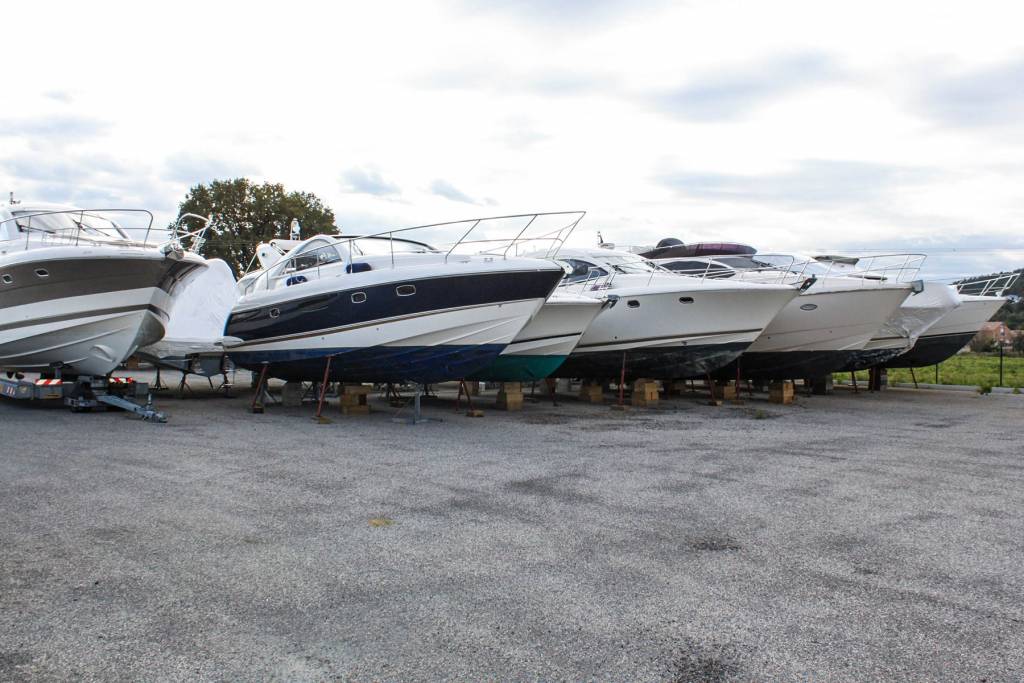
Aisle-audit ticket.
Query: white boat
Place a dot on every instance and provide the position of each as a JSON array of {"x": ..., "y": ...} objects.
[
  {"x": 192, "y": 342},
  {"x": 918, "y": 313},
  {"x": 662, "y": 325},
  {"x": 546, "y": 341},
  {"x": 822, "y": 330},
  {"x": 389, "y": 308},
  {"x": 978, "y": 302},
  {"x": 79, "y": 291}
]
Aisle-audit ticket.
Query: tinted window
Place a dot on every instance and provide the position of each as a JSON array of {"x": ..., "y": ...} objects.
[{"x": 581, "y": 270}]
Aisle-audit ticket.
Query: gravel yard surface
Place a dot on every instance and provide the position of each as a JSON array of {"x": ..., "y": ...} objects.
[{"x": 847, "y": 537}]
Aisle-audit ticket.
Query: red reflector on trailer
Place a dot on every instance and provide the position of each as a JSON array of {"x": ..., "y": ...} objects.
[{"x": 49, "y": 382}]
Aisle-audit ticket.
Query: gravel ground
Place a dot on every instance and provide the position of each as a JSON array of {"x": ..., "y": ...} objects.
[{"x": 848, "y": 537}]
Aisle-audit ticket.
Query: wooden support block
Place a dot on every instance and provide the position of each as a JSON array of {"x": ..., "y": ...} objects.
[
  {"x": 291, "y": 395},
  {"x": 645, "y": 393},
  {"x": 724, "y": 391},
  {"x": 592, "y": 393},
  {"x": 510, "y": 396},
  {"x": 352, "y": 399},
  {"x": 474, "y": 413},
  {"x": 782, "y": 392}
]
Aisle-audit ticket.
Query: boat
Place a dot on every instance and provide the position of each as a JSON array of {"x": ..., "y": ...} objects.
[
  {"x": 915, "y": 316},
  {"x": 546, "y": 341},
  {"x": 81, "y": 290},
  {"x": 192, "y": 341},
  {"x": 662, "y": 325},
  {"x": 390, "y": 308},
  {"x": 978, "y": 301},
  {"x": 825, "y": 327}
]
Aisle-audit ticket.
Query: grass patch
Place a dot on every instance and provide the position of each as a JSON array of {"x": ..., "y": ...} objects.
[{"x": 972, "y": 369}]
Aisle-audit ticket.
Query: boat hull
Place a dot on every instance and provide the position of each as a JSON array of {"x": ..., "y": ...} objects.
[
  {"x": 429, "y": 340},
  {"x": 951, "y": 333},
  {"x": 697, "y": 360},
  {"x": 546, "y": 341},
  {"x": 818, "y": 333},
  {"x": 516, "y": 368},
  {"x": 869, "y": 358},
  {"x": 87, "y": 315},
  {"x": 674, "y": 334},
  {"x": 932, "y": 349}
]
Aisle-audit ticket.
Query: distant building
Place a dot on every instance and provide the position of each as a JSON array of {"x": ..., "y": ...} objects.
[{"x": 996, "y": 332}]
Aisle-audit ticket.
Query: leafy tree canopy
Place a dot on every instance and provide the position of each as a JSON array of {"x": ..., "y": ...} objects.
[{"x": 247, "y": 214}]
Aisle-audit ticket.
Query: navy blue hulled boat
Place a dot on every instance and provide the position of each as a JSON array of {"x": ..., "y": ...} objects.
[{"x": 384, "y": 310}]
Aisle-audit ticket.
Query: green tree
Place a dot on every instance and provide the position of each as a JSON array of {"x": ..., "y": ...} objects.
[
  {"x": 247, "y": 214},
  {"x": 1018, "y": 344}
]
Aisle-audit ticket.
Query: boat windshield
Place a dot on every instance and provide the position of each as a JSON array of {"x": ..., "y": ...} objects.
[
  {"x": 383, "y": 246},
  {"x": 742, "y": 262},
  {"x": 629, "y": 265},
  {"x": 57, "y": 223},
  {"x": 794, "y": 263},
  {"x": 320, "y": 254}
]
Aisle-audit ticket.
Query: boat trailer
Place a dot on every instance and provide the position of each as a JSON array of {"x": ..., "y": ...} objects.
[{"x": 83, "y": 394}]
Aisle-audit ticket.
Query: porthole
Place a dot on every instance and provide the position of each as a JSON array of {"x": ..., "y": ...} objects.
[
  {"x": 808, "y": 307},
  {"x": 405, "y": 290},
  {"x": 359, "y": 297},
  {"x": 686, "y": 299},
  {"x": 274, "y": 312},
  {"x": 633, "y": 303},
  {"x": 7, "y": 279},
  {"x": 42, "y": 272}
]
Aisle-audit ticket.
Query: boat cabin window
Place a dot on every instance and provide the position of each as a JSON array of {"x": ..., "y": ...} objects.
[
  {"x": 313, "y": 258},
  {"x": 578, "y": 269},
  {"x": 68, "y": 223}
]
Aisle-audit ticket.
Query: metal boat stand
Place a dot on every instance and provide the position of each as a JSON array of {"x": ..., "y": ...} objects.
[
  {"x": 470, "y": 410},
  {"x": 261, "y": 396},
  {"x": 417, "y": 415},
  {"x": 319, "y": 417},
  {"x": 550, "y": 382},
  {"x": 159, "y": 386},
  {"x": 184, "y": 388}
]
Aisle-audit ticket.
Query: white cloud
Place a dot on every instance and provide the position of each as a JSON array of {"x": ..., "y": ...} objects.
[{"x": 792, "y": 125}]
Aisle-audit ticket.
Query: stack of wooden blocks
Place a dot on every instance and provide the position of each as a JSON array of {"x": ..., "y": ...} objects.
[
  {"x": 510, "y": 396},
  {"x": 592, "y": 392},
  {"x": 353, "y": 399},
  {"x": 782, "y": 392},
  {"x": 645, "y": 393},
  {"x": 724, "y": 391}
]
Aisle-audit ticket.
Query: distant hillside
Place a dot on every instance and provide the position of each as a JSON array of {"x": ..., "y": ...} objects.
[{"x": 1011, "y": 313}]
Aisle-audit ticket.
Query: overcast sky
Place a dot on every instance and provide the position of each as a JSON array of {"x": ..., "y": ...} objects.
[{"x": 790, "y": 125}]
